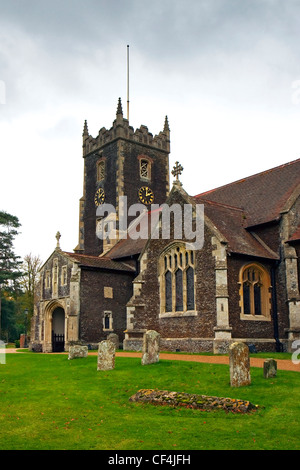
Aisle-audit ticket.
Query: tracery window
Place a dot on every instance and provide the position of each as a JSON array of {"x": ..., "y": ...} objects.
[
  {"x": 100, "y": 170},
  {"x": 144, "y": 169},
  {"x": 255, "y": 296},
  {"x": 177, "y": 281},
  {"x": 145, "y": 164}
]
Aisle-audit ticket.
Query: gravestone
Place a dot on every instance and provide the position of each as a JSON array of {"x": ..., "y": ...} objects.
[
  {"x": 239, "y": 364},
  {"x": 114, "y": 338},
  {"x": 77, "y": 351},
  {"x": 150, "y": 347},
  {"x": 270, "y": 368},
  {"x": 106, "y": 355}
]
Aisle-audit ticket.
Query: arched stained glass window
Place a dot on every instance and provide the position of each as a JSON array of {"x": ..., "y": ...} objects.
[{"x": 255, "y": 292}]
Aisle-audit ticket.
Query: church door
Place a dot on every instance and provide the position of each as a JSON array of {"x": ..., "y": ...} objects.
[{"x": 58, "y": 330}]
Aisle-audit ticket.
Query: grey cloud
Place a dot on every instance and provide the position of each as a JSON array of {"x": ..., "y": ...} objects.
[{"x": 66, "y": 49}]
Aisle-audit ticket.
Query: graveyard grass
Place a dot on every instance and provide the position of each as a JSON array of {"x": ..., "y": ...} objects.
[{"x": 48, "y": 402}]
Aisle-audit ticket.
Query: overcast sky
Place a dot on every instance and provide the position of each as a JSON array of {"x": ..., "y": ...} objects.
[{"x": 225, "y": 72}]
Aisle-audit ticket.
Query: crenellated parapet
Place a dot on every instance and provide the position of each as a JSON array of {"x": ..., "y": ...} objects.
[{"x": 122, "y": 129}]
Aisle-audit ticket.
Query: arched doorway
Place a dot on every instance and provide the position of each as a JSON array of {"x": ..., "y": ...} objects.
[{"x": 58, "y": 330}]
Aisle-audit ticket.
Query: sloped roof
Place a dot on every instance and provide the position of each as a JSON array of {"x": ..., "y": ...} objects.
[
  {"x": 262, "y": 196},
  {"x": 130, "y": 245},
  {"x": 231, "y": 221},
  {"x": 295, "y": 236},
  {"x": 99, "y": 262},
  {"x": 233, "y": 209},
  {"x": 126, "y": 248}
]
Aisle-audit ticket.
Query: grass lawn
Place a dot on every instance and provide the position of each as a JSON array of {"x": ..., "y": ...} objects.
[{"x": 49, "y": 402}]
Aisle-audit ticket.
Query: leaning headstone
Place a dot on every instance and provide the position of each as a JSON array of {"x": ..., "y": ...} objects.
[
  {"x": 239, "y": 364},
  {"x": 150, "y": 347},
  {"x": 270, "y": 368},
  {"x": 77, "y": 351},
  {"x": 106, "y": 355},
  {"x": 115, "y": 339}
]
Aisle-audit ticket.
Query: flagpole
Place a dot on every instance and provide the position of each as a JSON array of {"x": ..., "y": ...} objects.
[{"x": 128, "y": 82}]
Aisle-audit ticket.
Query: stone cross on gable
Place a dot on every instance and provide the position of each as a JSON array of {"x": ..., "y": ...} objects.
[
  {"x": 57, "y": 236},
  {"x": 177, "y": 170}
]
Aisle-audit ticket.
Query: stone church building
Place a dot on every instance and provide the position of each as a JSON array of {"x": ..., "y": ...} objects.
[{"x": 240, "y": 284}]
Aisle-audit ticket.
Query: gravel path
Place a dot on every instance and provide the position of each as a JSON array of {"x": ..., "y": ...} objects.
[{"x": 283, "y": 364}]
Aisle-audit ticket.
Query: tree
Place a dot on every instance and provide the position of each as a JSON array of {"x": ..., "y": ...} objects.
[
  {"x": 10, "y": 263},
  {"x": 12, "y": 323},
  {"x": 29, "y": 281}
]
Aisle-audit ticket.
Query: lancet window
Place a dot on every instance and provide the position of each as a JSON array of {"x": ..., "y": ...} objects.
[{"x": 177, "y": 280}]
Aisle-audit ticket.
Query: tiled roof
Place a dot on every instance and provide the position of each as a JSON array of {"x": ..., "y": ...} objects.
[
  {"x": 296, "y": 236},
  {"x": 231, "y": 221},
  {"x": 131, "y": 246},
  {"x": 99, "y": 262},
  {"x": 233, "y": 209},
  {"x": 126, "y": 248},
  {"x": 262, "y": 195}
]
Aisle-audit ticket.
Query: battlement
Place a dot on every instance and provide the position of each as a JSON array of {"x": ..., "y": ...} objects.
[{"x": 122, "y": 130}]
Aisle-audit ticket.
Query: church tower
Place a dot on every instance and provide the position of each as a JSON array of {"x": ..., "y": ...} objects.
[{"x": 120, "y": 162}]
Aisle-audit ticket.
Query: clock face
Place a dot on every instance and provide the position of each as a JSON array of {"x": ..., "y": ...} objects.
[
  {"x": 146, "y": 195},
  {"x": 99, "y": 196}
]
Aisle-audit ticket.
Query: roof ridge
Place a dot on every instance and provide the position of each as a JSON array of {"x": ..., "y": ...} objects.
[
  {"x": 80, "y": 254},
  {"x": 227, "y": 206},
  {"x": 98, "y": 257}
]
